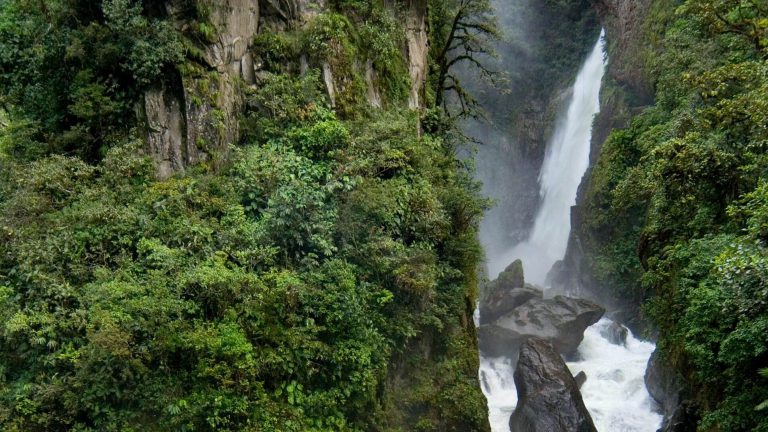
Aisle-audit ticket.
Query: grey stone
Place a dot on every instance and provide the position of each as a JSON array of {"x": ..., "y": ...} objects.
[
  {"x": 561, "y": 320},
  {"x": 548, "y": 395},
  {"x": 507, "y": 292},
  {"x": 580, "y": 378},
  {"x": 615, "y": 333},
  {"x": 666, "y": 388}
]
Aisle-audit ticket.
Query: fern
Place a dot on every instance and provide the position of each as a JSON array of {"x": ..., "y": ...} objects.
[{"x": 764, "y": 404}]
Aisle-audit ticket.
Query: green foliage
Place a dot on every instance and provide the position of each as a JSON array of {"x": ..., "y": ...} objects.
[
  {"x": 274, "y": 296},
  {"x": 277, "y": 49},
  {"x": 287, "y": 291},
  {"x": 677, "y": 207},
  {"x": 150, "y": 44},
  {"x": 75, "y": 85}
]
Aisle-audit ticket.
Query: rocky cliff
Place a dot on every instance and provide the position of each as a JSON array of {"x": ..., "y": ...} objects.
[{"x": 192, "y": 115}]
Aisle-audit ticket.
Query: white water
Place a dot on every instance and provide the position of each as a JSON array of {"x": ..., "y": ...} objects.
[
  {"x": 565, "y": 162},
  {"x": 615, "y": 392}
]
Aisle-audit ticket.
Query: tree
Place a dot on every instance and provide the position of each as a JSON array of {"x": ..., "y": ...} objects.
[
  {"x": 747, "y": 18},
  {"x": 463, "y": 32}
]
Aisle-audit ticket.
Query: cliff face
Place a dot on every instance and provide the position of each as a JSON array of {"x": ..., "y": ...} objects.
[{"x": 193, "y": 114}]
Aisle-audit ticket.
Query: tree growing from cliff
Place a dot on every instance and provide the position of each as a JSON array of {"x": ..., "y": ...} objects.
[{"x": 463, "y": 33}]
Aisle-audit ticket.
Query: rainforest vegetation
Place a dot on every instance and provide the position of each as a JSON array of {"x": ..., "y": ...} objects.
[
  {"x": 320, "y": 273},
  {"x": 321, "y": 278},
  {"x": 676, "y": 212}
]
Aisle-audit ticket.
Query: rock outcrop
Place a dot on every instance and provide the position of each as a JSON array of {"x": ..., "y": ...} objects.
[
  {"x": 560, "y": 320},
  {"x": 418, "y": 48},
  {"x": 506, "y": 293},
  {"x": 192, "y": 116},
  {"x": 548, "y": 395},
  {"x": 615, "y": 333},
  {"x": 624, "y": 23},
  {"x": 580, "y": 378},
  {"x": 666, "y": 388}
]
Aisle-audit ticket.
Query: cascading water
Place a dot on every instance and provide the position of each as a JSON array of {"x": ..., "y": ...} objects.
[
  {"x": 566, "y": 160},
  {"x": 615, "y": 392}
]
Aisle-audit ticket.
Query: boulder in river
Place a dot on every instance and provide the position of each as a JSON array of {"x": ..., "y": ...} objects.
[
  {"x": 580, "y": 378},
  {"x": 615, "y": 333},
  {"x": 560, "y": 320},
  {"x": 548, "y": 395}
]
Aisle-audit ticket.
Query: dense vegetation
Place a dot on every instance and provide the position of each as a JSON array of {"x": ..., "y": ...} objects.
[
  {"x": 321, "y": 280},
  {"x": 677, "y": 208}
]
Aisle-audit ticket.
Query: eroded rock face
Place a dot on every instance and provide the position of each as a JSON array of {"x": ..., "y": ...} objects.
[
  {"x": 418, "y": 48},
  {"x": 560, "y": 320},
  {"x": 549, "y": 397},
  {"x": 506, "y": 293},
  {"x": 237, "y": 22},
  {"x": 624, "y": 21},
  {"x": 166, "y": 127},
  {"x": 193, "y": 117},
  {"x": 190, "y": 118}
]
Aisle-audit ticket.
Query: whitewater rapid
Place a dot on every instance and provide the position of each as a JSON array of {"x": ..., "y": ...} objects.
[{"x": 615, "y": 392}]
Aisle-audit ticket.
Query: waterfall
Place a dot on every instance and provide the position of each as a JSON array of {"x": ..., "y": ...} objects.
[
  {"x": 615, "y": 392},
  {"x": 566, "y": 160}
]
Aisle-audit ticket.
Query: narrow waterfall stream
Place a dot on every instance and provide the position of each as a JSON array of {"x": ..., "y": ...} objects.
[
  {"x": 614, "y": 392},
  {"x": 566, "y": 160}
]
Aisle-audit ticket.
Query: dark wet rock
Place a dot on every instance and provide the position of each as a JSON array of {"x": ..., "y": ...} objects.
[
  {"x": 549, "y": 397},
  {"x": 512, "y": 276},
  {"x": 560, "y": 320},
  {"x": 506, "y": 293},
  {"x": 615, "y": 333},
  {"x": 666, "y": 388},
  {"x": 580, "y": 378}
]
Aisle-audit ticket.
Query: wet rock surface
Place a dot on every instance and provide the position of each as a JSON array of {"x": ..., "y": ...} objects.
[
  {"x": 580, "y": 378},
  {"x": 549, "y": 397},
  {"x": 560, "y": 320},
  {"x": 506, "y": 293},
  {"x": 615, "y": 334},
  {"x": 666, "y": 389}
]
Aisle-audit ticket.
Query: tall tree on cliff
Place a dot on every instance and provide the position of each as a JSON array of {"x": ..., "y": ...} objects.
[{"x": 462, "y": 32}]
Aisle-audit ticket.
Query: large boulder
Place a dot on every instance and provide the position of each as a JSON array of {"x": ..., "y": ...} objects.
[
  {"x": 548, "y": 395},
  {"x": 666, "y": 388},
  {"x": 506, "y": 293},
  {"x": 580, "y": 378},
  {"x": 615, "y": 333},
  {"x": 560, "y": 320}
]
